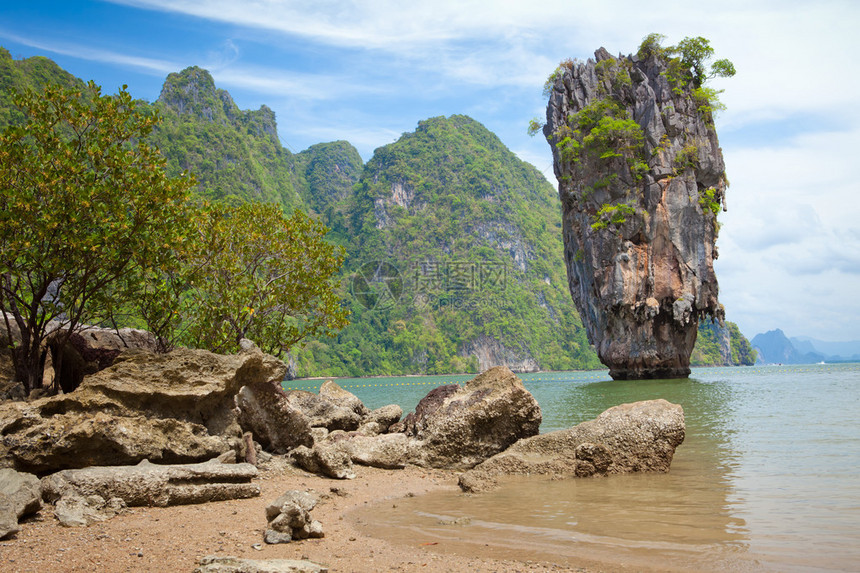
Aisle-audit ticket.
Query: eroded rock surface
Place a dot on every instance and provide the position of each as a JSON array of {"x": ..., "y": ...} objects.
[
  {"x": 20, "y": 496},
  {"x": 149, "y": 484},
  {"x": 639, "y": 209},
  {"x": 169, "y": 408},
  {"x": 220, "y": 564},
  {"x": 637, "y": 437},
  {"x": 289, "y": 518},
  {"x": 456, "y": 427}
]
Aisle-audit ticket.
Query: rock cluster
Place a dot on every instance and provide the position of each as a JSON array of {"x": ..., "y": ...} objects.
[
  {"x": 289, "y": 518},
  {"x": 639, "y": 203},
  {"x": 637, "y": 437},
  {"x": 452, "y": 427}
]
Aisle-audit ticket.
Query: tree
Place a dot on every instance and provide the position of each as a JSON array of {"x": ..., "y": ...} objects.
[
  {"x": 695, "y": 54},
  {"x": 85, "y": 204},
  {"x": 256, "y": 273}
]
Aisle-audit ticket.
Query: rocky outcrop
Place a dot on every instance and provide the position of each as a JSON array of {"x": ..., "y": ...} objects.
[
  {"x": 169, "y": 408},
  {"x": 637, "y": 437},
  {"x": 456, "y": 427},
  {"x": 264, "y": 410},
  {"x": 641, "y": 178},
  {"x": 148, "y": 484},
  {"x": 326, "y": 458},
  {"x": 19, "y": 497}
]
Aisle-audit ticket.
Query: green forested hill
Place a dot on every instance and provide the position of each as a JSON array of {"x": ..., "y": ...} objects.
[
  {"x": 468, "y": 237},
  {"x": 454, "y": 251}
]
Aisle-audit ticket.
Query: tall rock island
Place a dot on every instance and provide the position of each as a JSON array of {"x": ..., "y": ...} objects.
[{"x": 641, "y": 178}]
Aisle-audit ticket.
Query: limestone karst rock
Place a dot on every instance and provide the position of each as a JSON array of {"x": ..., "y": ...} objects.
[
  {"x": 641, "y": 178},
  {"x": 636, "y": 437}
]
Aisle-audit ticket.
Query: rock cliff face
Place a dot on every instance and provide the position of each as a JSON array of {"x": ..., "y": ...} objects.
[{"x": 641, "y": 178}]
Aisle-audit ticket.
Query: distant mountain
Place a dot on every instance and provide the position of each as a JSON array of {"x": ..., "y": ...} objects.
[
  {"x": 454, "y": 251},
  {"x": 774, "y": 347},
  {"x": 841, "y": 351}
]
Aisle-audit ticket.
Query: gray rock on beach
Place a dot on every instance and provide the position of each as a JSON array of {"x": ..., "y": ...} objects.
[
  {"x": 218, "y": 564},
  {"x": 19, "y": 497},
  {"x": 148, "y": 484},
  {"x": 637, "y": 437},
  {"x": 458, "y": 428}
]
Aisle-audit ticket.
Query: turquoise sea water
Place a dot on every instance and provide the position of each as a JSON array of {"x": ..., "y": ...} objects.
[{"x": 768, "y": 477}]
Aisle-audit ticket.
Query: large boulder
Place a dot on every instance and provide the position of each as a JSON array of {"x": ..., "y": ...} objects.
[
  {"x": 327, "y": 458},
  {"x": 327, "y": 410},
  {"x": 19, "y": 497},
  {"x": 264, "y": 410},
  {"x": 458, "y": 427},
  {"x": 637, "y": 437},
  {"x": 171, "y": 408},
  {"x": 283, "y": 420}
]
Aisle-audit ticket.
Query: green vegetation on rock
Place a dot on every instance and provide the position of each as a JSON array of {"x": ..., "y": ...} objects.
[{"x": 722, "y": 346}]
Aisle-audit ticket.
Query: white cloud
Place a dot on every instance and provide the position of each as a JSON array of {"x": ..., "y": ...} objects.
[{"x": 150, "y": 65}]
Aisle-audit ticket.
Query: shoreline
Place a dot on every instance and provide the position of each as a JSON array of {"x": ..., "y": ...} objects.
[{"x": 176, "y": 538}]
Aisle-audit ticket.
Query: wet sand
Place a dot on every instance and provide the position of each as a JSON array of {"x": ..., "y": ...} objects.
[{"x": 176, "y": 538}]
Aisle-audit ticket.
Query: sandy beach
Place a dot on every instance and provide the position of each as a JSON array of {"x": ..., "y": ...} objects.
[{"x": 176, "y": 538}]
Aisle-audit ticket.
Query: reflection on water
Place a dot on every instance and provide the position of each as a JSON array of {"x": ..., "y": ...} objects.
[{"x": 766, "y": 480}]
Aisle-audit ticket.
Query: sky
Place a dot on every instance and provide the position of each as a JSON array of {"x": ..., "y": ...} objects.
[{"x": 368, "y": 70}]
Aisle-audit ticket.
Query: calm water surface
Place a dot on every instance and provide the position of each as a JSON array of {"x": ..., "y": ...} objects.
[{"x": 767, "y": 478}]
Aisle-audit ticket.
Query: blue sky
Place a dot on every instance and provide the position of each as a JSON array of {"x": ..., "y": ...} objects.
[{"x": 368, "y": 71}]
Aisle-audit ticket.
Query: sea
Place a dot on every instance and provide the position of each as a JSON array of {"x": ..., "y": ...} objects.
[{"x": 767, "y": 479}]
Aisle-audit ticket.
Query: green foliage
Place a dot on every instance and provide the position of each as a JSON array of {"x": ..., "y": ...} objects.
[
  {"x": 613, "y": 75},
  {"x": 31, "y": 73},
  {"x": 464, "y": 201},
  {"x": 612, "y": 215},
  {"x": 651, "y": 46},
  {"x": 708, "y": 200},
  {"x": 602, "y": 129},
  {"x": 688, "y": 66},
  {"x": 256, "y": 273},
  {"x": 708, "y": 102},
  {"x": 85, "y": 204},
  {"x": 535, "y": 125},
  {"x": 466, "y": 204},
  {"x": 687, "y": 158}
]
